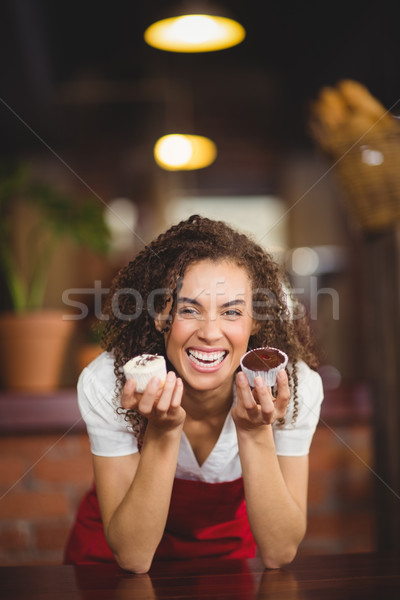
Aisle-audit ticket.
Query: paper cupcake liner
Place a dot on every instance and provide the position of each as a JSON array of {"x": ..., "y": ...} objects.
[{"x": 268, "y": 376}]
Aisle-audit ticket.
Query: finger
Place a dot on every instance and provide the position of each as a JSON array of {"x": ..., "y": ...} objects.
[
  {"x": 282, "y": 381},
  {"x": 177, "y": 394},
  {"x": 265, "y": 398},
  {"x": 244, "y": 394},
  {"x": 283, "y": 396},
  {"x": 150, "y": 396},
  {"x": 128, "y": 399},
  {"x": 165, "y": 399},
  {"x": 246, "y": 404}
]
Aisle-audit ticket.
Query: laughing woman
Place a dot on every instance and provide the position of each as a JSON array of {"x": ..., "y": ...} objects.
[{"x": 207, "y": 467}]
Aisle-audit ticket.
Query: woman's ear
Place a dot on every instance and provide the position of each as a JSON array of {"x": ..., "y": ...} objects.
[
  {"x": 159, "y": 322},
  {"x": 255, "y": 328},
  {"x": 162, "y": 319}
]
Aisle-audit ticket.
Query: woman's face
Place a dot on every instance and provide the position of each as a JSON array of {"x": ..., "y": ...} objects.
[{"x": 212, "y": 325}]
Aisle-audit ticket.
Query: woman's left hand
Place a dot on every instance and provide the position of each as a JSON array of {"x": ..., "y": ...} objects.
[{"x": 258, "y": 407}]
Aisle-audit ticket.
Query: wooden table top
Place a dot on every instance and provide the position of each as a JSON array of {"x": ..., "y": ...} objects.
[{"x": 337, "y": 577}]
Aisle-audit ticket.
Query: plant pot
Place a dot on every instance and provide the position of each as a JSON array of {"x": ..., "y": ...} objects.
[
  {"x": 86, "y": 354},
  {"x": 32, "y": 349}
]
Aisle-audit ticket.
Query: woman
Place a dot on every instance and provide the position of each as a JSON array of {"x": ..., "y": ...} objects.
[{"x": 205, "y": 466}]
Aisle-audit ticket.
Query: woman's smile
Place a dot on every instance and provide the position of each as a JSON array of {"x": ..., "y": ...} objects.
[{"x": 206, "y": 359}]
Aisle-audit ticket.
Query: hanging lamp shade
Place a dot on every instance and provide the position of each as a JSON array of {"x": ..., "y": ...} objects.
[
  {"x": 195, "y": 27},
  {"x": 182, "y": 152}
]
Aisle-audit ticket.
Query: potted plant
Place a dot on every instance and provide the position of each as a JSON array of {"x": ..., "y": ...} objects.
[
  {"x": 27, "y": 330},
  {"x": 91, "y": 347}
]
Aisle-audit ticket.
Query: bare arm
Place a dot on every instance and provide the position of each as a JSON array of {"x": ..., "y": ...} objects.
[
  {"x": 134, "y": 491},
  {"x": 275, "y": 487}
]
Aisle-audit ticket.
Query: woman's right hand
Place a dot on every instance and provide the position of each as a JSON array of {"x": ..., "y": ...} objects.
[{"x": 161, "y": 406}]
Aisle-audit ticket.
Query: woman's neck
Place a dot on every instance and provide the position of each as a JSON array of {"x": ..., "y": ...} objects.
[
  {"x": 209, "y": 404},
  {"x": 206, "y": 413}
]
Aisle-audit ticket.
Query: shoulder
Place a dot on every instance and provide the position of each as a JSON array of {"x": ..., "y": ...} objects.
[
  {"x": 96, "y": 384},
  {"x": 293, "y": 438},
  {"x": 108, "y": 431},
  {"x": 100, "y": 369},
  {"x": 309, "y": 381},
  {"x": 308, "y": 376}
]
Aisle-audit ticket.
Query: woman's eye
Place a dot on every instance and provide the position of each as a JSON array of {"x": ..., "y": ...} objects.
[
  {"x": 188, "y": 312},
  {"x": 232, "y": 314}
]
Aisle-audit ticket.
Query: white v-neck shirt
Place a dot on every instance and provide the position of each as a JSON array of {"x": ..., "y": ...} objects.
[{"x": 110, "y": 434}]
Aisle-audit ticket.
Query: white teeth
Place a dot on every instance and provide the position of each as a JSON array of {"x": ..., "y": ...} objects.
[{"x": 209, "y": 358}]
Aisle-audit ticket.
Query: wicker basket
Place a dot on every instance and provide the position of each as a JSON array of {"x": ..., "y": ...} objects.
[{"x": 368, "y": 169}]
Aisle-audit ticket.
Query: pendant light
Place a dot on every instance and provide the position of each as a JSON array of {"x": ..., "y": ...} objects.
[
  {"x": 182, "y": 152},
  {"x": 195, "y": 27}
]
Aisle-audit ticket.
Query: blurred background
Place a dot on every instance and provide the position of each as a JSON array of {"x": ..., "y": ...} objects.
[{"x": 83, "y": 101}]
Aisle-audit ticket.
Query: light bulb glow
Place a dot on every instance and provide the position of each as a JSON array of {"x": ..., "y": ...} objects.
[
  {"x": 305, "y": 261},
  {"x": 194, "y": 29},
  {"x": 175, "y": 150},
  {"x": 178, "y": 152},
  {"x": 194, "y": 33},
  {"x": 372, "y": 157}
]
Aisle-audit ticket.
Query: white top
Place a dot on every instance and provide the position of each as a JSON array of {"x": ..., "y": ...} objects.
[{"x": 111, "y": 435}]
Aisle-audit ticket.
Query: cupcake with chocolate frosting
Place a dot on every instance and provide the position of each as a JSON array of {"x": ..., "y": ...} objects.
[{"x": 263, "y": 362}]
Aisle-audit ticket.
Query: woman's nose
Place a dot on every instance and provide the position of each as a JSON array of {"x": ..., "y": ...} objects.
[{"x": 209, "y": 329}]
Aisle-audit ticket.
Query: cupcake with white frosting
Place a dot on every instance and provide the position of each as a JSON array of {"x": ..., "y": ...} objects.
[{"x": 144, "y": 367}]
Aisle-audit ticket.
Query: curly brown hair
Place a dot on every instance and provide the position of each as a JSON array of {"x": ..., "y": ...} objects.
[{"x": 150, "y": 282}]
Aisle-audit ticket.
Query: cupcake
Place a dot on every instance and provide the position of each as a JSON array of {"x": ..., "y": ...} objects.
[
  {"x": 263, "y": 362},
  {"x": 142, "y": 368}
]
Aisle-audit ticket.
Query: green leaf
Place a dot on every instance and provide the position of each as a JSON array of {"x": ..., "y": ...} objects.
[{"x": 60, "y": 215}]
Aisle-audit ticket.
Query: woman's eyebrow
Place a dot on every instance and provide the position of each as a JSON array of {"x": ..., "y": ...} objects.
[
  {"x": 186, "y": 300},
  {"x": 235, "y": 302}
]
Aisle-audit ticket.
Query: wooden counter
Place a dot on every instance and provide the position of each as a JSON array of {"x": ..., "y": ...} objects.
[{"x": 346, "y": 576}]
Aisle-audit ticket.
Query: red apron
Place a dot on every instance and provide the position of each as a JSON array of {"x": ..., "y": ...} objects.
[{"x": 205, "y": 520}]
